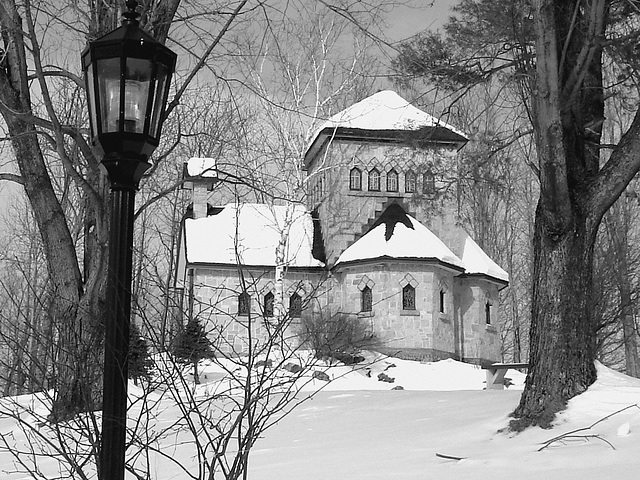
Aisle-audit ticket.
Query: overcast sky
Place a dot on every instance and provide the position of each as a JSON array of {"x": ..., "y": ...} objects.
[
  {"x": 404, "y": 22},
  {"x": 407, "y": 21}
]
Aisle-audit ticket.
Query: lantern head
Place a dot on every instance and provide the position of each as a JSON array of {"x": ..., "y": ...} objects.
[{"x": 127, "y": 76}]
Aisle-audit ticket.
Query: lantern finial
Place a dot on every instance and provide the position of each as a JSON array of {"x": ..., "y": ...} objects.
[{"x": 131, "y": 15}]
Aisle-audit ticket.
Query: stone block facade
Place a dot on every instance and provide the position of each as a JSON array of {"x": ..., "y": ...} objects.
[{"x": 216, "y": 302}]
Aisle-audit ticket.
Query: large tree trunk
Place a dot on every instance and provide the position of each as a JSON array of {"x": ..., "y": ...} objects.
[
  {"x": 568, "y": 111},
  {"x": 563, "y": 340}
]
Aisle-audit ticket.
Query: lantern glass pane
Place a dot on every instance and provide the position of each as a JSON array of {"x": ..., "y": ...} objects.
[
  {"x": 137, "y": 83},
  {"x": 159, "y": 99},
  {"x": 93, "y": 119},
  {"x": 109, "y": 94}
]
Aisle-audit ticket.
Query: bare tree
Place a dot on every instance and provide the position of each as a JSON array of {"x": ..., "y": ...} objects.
[
  {"x": 556, "y": 53},
  {"x": 45, "y": 129}
]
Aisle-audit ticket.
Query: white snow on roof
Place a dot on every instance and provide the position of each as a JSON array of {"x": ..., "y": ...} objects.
[
  {"x": 477, "y": 261},
  {"x": 248, "y": 234},
  {"x": 202, "y": 167},
  {"x": 405, "y": 242},
  {"x": 385, "y": 110}
]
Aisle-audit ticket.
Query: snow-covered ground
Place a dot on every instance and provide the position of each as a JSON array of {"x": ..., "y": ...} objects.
[{"x": 358, "y": 427}]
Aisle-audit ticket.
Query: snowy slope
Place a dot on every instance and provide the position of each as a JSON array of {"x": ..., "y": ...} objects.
[{"x": 358, "y": 428}]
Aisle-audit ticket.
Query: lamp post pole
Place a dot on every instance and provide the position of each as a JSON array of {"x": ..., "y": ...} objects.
[
  {"x": 127, "y": 75},
  {"x": 114, "y": 402}
]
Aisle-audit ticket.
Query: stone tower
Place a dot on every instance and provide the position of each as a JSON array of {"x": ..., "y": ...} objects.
[{"x": 380, "y": 151}]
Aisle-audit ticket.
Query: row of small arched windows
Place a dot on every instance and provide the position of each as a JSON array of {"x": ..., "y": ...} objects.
[
  {"x": 374, "y": 181},
  {"x": 409, "y": 300},
  {"x": 295, "y": 304}
]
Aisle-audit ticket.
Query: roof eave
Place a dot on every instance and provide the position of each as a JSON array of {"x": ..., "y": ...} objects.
[
  {"x": 386, "y": 258},
  {"x": 422, "y": 136},
  {"x": 235, "y": 266},
  {"x": 489, "y": 278}
]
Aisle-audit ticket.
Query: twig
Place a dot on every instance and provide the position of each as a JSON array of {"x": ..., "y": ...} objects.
[
  {"x": 572, "y": 433},
  {"x": 449, "y": 457}
]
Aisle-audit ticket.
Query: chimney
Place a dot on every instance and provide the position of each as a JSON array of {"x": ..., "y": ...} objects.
[{"x": 199, "y": 176}]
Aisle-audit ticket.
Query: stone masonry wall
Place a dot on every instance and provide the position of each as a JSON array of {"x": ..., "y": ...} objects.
[
  {"x": 216, "y": 301},
  {"x": 480, "y": 342},
  {"x": 420, "y": 331}
]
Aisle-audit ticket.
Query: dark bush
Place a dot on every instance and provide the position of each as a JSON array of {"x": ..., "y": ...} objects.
[
  {"x": 340, "y": 337},
  {"x": 140, "y": 362}
]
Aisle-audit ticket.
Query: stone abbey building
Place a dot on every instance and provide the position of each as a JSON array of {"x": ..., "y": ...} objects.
[{"x": 377, "y": 241}]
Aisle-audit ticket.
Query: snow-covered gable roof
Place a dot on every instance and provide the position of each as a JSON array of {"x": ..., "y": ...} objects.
[
  {"x": 384, "y": 117},
  {"x": 399, "y": 235},
  {"x": 248, "y": 234}
]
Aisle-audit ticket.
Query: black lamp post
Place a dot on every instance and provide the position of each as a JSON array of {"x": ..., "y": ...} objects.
[{"x": 127, "y": 74}]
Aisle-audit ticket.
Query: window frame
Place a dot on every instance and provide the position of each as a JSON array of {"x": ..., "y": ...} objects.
[
  {"x": 366, "y": 299},
  {"x": 487, "y": 313},
  {"x": 244, "y": 304},
  {"x": 410, "y": 181},
  {"x": 268, "y": 303},
  {"x": 393, "y": 181},
  {"x": 295, "y": 305},
  {"x": 409, "y": 297},
  {"x": 428, "y": 182},
  {"x": 355, "y": 174},
  {"x": 373, "y": 180}
]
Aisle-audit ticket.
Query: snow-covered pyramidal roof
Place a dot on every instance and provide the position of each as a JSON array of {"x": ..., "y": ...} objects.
[
  {"x": 385, "y": 110},
  {"x": 248, "y": 234},
  {"x": 384, "y": 117},
  {"x": 397, "y": 235}
]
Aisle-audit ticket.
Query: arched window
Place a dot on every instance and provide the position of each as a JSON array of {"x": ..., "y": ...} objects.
[
  {"x": 267, "y": 307},
  {"x": 408, "y": 297},
  {"x": 392, "y": 181},
  {"x": 295, "y": 305},
  {"x": 244, "y": 303},
  {"x": 410, "y": 182},
  {"x": 442, "y": 301},
  {"x": 429, "y": 182},
  {"x": 487, "y": 312},
  {"x": 374, "y": 180},
  {"x": 355, "y": 179},
  {"x": 366, "y": 299}
]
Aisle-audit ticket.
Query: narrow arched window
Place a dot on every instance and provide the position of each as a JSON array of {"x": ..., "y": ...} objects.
[
  {"x": 429, "y": 183},
  {"x": 392, "y": 181},
  {"x": 244, "y": 303},
  {"x": 374, "y": 180},
  {"x": 410, "y": 182},
  {"x": 355, "y": 179},
  {"x": 295, "y": 305},
  {"x": 487, "y": 312},
  {"x": 366, "y": 299},
  {"x": 408, "y": 297},
  {"x": 267, "y": 307},
  {"x": 442, "y": 301}
]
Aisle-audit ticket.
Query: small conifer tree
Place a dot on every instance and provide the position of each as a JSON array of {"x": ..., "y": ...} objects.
[
  {"x": 192, "y": 345},
  {"x": 140, "y": 362}
]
